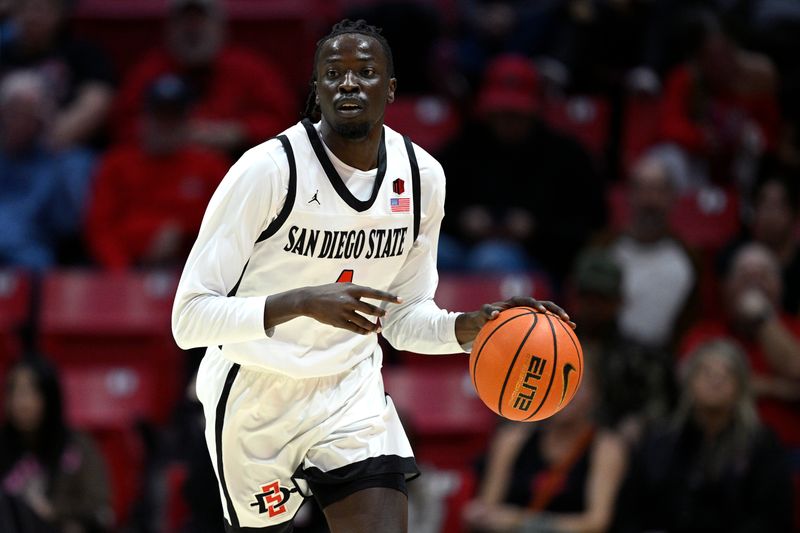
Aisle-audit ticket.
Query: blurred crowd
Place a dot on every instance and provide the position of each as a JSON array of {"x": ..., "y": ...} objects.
[{"x": 641, "y": 156}]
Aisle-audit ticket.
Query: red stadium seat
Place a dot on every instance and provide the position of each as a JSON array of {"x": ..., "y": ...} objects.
[
  {"x": 175, "y": 506},
  {"x": 447, "y": 421},
  {"x": 430, "y": 121},
  {"x": 15, "y": 296},
  {"x": 109, "y": 397},
  {"x": 463, "y": 492},
  {"x": 586, "y": 118},
  {"x": 705, "y": 219},
  {"x": 15, "y": 301},
  {"x": 123, "y": 451},
  {"x": 640, "y": 129},
  {"x": 469, "y": 292},
  {"x": 104, "y": 328}
]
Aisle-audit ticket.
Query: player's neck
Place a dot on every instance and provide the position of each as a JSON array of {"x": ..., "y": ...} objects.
[{"x": 358, "y": 153}]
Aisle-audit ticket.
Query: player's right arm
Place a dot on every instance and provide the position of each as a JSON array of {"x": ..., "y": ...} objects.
[{"x": 248, "y": 197}]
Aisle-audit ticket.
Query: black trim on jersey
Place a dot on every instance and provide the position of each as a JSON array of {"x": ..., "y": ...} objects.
[
  {"x": 288, "y": 204},
  {"x": 415, "y": 184},
  {"x": 223, "y": 401},
  {"x": 235, "y": 288},
  {"x": 334, "y": 177}
]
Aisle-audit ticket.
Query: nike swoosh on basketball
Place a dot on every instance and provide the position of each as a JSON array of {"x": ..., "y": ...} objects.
[{"x": 567, "y": 369}]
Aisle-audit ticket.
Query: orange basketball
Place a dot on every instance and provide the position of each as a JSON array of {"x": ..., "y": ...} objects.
[{"x": 526, "y": 365}]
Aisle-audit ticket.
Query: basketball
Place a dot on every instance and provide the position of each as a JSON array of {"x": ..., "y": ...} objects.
[{"x": 526, "y": 365}]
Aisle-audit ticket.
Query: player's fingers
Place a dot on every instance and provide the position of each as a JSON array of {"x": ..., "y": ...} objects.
[
  {"x": 369, "y": 309},
  {"x": 521, "y": 301},
  {"x": 490, "y": 311},
  {"x": 368, "y": 292},
  {"x": 364, "y": 323},
  {"x": 553, "y": 308},
  {"x": 355, "y": 328}
]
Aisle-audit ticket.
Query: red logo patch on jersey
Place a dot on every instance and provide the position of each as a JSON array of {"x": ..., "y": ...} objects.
[
  {"x": 399, "y": 186},
  {"x": 272, "y": 499}
]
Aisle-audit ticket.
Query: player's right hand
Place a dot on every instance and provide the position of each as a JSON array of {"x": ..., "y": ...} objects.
[{"x": 340, "y": 305}]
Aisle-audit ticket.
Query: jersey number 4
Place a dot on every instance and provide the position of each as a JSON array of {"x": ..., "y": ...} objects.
[{"x": 345, "y": 277}]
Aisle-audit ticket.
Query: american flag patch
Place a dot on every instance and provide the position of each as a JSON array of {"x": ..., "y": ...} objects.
[{"x": 400, "y": 205}]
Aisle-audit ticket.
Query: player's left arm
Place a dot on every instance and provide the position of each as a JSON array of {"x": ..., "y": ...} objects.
[{"x": 418, "y": 324}]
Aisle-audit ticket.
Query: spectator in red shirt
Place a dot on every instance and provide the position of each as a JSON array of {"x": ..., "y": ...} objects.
[
  {"x": 752, "y": 292},
  {"x": 238, "y": 100},
  {"x": 720, "y": 108},
  {"x": 149, "y": 198}
]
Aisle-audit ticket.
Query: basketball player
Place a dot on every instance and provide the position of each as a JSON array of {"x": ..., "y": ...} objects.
[{"x": 291, "y": 382}]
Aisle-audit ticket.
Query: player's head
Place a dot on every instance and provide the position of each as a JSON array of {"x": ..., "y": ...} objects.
[{"x": 352, "y": 79}]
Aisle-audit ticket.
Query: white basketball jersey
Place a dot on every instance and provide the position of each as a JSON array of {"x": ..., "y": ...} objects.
[{"x": 324, "y": 234}]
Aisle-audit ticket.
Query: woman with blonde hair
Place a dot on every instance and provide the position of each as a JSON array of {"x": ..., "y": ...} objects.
[{"x": 713, "y": 466}]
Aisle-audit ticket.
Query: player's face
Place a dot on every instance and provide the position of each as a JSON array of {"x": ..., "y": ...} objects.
[{"x": 353, "y": 84}]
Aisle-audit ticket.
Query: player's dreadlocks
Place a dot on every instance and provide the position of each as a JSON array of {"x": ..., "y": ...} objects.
[{"x": 340, "y": 28}]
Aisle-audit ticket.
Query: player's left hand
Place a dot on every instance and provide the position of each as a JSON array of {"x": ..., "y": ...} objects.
[
  {"x": 469, "y": 324},
  {"x": 490, "y": 311}
]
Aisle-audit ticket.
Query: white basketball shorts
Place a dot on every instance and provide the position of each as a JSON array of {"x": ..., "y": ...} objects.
[{"x": 273, "y": 439}]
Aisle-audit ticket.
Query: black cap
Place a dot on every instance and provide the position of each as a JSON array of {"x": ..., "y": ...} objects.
[{"x": 597, "y": 272}]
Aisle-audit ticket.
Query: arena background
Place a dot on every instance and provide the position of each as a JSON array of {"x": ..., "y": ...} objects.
[{"x": 615, "y": 156}]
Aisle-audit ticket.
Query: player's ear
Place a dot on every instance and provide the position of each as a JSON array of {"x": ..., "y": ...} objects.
[
  {"x": 392, "y": 89},
  {"x": 316, "y": 94}
]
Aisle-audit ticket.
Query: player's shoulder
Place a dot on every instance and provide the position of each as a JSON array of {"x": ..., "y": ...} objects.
[{"x": 430, "y": 170}]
